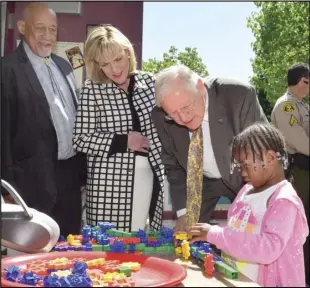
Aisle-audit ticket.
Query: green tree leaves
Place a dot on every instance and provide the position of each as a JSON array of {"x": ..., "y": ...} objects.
[
  {"x": 281, "y": 31},
  {"x": 188, "y": 57}
]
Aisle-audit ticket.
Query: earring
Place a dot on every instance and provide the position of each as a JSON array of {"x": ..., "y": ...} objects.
[{"x": 263, "y": 165}]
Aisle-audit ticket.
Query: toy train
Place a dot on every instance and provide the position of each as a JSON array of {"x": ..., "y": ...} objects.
[
  {"x": 105, "y": 237},
  {"x": 204, "y": 254}
]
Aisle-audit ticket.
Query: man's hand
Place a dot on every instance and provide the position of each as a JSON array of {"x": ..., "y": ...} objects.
[
  {"x": 180, "y": 225},
  {"x": 199, "y": 232}
]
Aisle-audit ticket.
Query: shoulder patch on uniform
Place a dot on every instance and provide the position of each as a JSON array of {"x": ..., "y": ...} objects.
[
  {"x": 293, "y": 120},
  {"x": 288, "y": 107}
]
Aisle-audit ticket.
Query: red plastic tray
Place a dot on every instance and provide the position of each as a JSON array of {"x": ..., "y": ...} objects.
[{"x": 154, "y": 272}]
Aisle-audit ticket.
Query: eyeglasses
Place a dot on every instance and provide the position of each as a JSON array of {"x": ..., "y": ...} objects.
[{"x": 184, "y": 110}]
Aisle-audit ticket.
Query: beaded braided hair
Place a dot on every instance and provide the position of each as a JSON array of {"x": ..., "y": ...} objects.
[{"x": 258, "y": 138}]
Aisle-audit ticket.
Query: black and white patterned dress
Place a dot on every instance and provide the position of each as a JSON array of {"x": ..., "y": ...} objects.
[{"x": 104, "y": 116}]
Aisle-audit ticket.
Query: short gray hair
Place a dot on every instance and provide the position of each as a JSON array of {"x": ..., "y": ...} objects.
[{"x": 168, "y": 75}]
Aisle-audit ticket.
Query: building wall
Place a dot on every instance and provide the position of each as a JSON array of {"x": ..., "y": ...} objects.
[
  {"x": 126, "y": 16},
  {"x": 3, "y": 24}
]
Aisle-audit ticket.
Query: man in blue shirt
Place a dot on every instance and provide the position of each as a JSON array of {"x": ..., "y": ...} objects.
[{"x": 38, "y": 108}]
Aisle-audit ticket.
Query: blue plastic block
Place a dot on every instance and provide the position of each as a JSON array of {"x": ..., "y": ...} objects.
[
  {"x": 143, "y": 240},
  {"x": 30, "y": 279},
  {"x": 62, "y": 238},
  {"x": 89, "y": 247},
  {"x": 79, "y": 268},
  {"x": 141, "y": 234},
  {"x": 104, "y": 240},
  {"x": 205, "y": 247},
  {"x": 11, "y": 273},
  {"x": 132, "y": 248},
  {"x": 51, "y": 281},
  {"x": 117, "y": 247}
]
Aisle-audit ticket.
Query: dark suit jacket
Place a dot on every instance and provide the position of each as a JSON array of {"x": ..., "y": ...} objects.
[
  {"x": 232, "y": 107},
  {"x": 28, "y": 137}
]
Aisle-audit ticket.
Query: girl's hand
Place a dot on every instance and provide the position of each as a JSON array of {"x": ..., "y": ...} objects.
[{"x": 199, "y": 232}]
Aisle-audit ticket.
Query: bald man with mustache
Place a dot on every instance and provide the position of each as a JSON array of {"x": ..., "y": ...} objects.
[{"x": 38, "y": 108}]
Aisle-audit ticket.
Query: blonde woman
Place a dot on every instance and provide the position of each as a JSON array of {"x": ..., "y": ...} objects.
[{"x": 125, "y": 176}]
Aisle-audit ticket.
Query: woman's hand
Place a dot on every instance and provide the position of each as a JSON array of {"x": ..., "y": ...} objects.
[{"x": 138, "y": 142}]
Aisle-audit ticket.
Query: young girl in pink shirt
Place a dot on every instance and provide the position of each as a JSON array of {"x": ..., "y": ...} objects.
[{"x": 267, "y": 226}]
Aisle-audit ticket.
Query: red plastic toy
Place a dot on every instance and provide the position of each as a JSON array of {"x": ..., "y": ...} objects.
[
  {"x": 209, "y": 265},
  {"x": 154, "y": 272}
]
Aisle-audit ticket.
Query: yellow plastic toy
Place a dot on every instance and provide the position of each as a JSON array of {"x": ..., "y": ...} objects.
[
  {"x": 62, "y": 273},
  {"x": 178, "y": 251},
  {"x": 75, "y": 243},
  {"x": 134, "y": 266},
  {"x": 185, "y": 250},
  {"x": 70, "y": 239},
  {"x": 98, "y": 261},
  {"x": 110, "y": 276},
  {"x": 180, "y": 236}
]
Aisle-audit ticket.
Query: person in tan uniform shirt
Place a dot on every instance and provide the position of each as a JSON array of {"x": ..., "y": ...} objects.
[{"x": 291, "y": 116}]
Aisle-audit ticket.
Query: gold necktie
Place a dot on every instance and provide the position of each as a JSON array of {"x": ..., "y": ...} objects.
[{"x": 194, "y": 178}]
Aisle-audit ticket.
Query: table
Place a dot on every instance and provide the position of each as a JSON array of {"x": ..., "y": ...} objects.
[{"x": 196, "y": 278}]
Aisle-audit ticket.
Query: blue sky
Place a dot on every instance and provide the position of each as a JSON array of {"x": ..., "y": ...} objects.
[{"x": 217, "y": 30}]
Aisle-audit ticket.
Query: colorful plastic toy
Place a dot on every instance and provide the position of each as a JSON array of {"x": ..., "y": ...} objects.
[
  {"x": 98, "y": 272},
  {"x": 62, "y": 272}
]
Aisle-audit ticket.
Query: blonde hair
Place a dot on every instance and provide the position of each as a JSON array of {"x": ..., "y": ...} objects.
[{"x": 101, "y": 41}]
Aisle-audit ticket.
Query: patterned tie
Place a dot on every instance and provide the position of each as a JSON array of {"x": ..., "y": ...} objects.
[
  {"x": 194, "y": 178},
  {"x": 55, "y": 86}
]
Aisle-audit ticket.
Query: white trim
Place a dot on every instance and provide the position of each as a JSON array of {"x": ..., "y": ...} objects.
[
  {"x": 66, "y": 7},
  {"x": 167, "y": 199}
]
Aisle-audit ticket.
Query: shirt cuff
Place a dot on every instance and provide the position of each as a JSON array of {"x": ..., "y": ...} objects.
[
  {"x": 213, "y": 233},
  {"x": 119, "y": 144},
  {"x": 181, "y": 212}
]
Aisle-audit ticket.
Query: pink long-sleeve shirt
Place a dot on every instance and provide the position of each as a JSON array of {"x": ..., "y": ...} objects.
[{"x": 278, "y": 249}]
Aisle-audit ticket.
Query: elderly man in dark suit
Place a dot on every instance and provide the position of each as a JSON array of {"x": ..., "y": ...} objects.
[
  {"x": 38, "y": 108},
  {"x": 196, "y": 120}
]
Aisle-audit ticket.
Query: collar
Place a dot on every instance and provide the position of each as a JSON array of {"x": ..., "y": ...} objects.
[
  {"x": 206, "y": 115},
  {"x": 139, "y": 82},
  {"x": 35, "y": 60},
  {"x": 291, "y": 94}
]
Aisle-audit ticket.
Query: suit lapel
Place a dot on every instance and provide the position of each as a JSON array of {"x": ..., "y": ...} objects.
[
  {"x": 217, "y": 120},
  {"x": 68, "y": 80},
  {"x": 26, "y": 66},
  {"x": 180, "y": 141}
]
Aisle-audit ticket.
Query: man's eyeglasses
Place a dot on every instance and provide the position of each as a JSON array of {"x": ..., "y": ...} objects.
[{"x": 184, "y": 110}]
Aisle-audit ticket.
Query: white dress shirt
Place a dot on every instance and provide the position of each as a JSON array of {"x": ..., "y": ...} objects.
[
  {"x": 63, "y": 117},
  {"x": 210, "y": 168}
]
